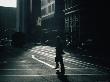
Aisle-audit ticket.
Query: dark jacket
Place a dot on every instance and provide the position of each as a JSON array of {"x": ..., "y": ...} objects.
[{"x": 59, "y": 46}]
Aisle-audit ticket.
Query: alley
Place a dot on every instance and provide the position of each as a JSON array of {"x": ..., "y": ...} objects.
[{"x": 37, "y": 64}]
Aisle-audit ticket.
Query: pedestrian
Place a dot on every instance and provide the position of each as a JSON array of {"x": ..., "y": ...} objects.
[{"x": 59, "y": 52}]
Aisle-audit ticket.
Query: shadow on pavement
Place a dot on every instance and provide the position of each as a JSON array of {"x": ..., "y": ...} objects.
[{"x": 63, "y": 78}]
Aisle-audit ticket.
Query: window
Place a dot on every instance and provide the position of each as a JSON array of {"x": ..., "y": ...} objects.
[
  {"x": 8, "y": 3},
  {"x": 49, "y": 9},
  {"x": 53, "y": 7},
  {"x": 49, "y": 1},
  {"x": 44, "y": 11},
  {"x": 43, "y": 3}
]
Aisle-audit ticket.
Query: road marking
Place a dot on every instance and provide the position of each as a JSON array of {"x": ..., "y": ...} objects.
[
  {"x": 68, "y": 60},
  {"x": 43, "y": 62},
  {"x": 81, "y": 68},
  {"x": 45, "y": 69},
  {"x": 33, "y": 56},
  {"x": 16, "y": 69},
  {"x": 50, "y": 75},
  {"x": 46, "y": 62},
  {"x": 20, "y": 61}
]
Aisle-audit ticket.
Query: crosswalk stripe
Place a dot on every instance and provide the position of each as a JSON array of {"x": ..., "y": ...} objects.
[
  {"x": 16, "y": 69},
  {"x": 47, "y": 69},
  {"x": 50, "y": 75}
]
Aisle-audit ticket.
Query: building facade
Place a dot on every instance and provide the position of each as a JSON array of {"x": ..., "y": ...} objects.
[
  {"x": 47, "y": 8},
  {"x": 72, "y": 22},
  {"x": 52, "y": 18},
  {"x": 80, "y": 24},
  {"x": 48, "y": 19},
  {"x": 62, "y": 18},
  {"x": 28, "y": 15}
]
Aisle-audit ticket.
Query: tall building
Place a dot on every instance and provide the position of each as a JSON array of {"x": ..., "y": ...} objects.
[
  {"x": 72, "y": 22},
  {"x": 48, "y": 19},
  {"x": 28, "y": 14},
  {"x": 35, "y": 20},
  {"x": 52, "y": 18},
  {"x": 80, "y": 24},
  {"x": 47, "y": 8}
]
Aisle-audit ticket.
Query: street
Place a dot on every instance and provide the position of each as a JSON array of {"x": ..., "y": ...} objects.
[{"x": 37, "y": 64}]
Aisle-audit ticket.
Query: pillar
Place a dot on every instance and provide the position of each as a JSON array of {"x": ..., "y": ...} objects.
[{"x": 23, "y": 11}]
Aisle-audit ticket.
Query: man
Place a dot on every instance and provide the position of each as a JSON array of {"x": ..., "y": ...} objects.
[{"x": 59, "y": 52}]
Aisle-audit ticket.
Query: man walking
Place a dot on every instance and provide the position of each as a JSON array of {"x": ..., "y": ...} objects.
[{"x": 59, "y": 52}]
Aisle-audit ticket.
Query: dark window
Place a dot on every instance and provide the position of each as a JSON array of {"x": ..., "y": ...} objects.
[
  {"x": 49, "y": 1},
  {"x": 49, "y": 9},
  {"x": 53, "y": 7},
  {"x": 44, "y": 11}
]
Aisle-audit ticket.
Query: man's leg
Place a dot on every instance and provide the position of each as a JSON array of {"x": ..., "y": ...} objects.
[
  {"x": 57, "y": 65},
  {"x": 62, "y": 67}
]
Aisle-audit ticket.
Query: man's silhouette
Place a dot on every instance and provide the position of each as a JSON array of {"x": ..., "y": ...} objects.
[{"x": 59, "y": 52}]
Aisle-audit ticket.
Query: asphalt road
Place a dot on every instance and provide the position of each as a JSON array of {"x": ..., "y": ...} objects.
[{"x": 37, "y": 65}]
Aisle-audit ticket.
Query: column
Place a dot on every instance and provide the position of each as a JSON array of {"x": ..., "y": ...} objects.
[{"x": 23, "y": 12}]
